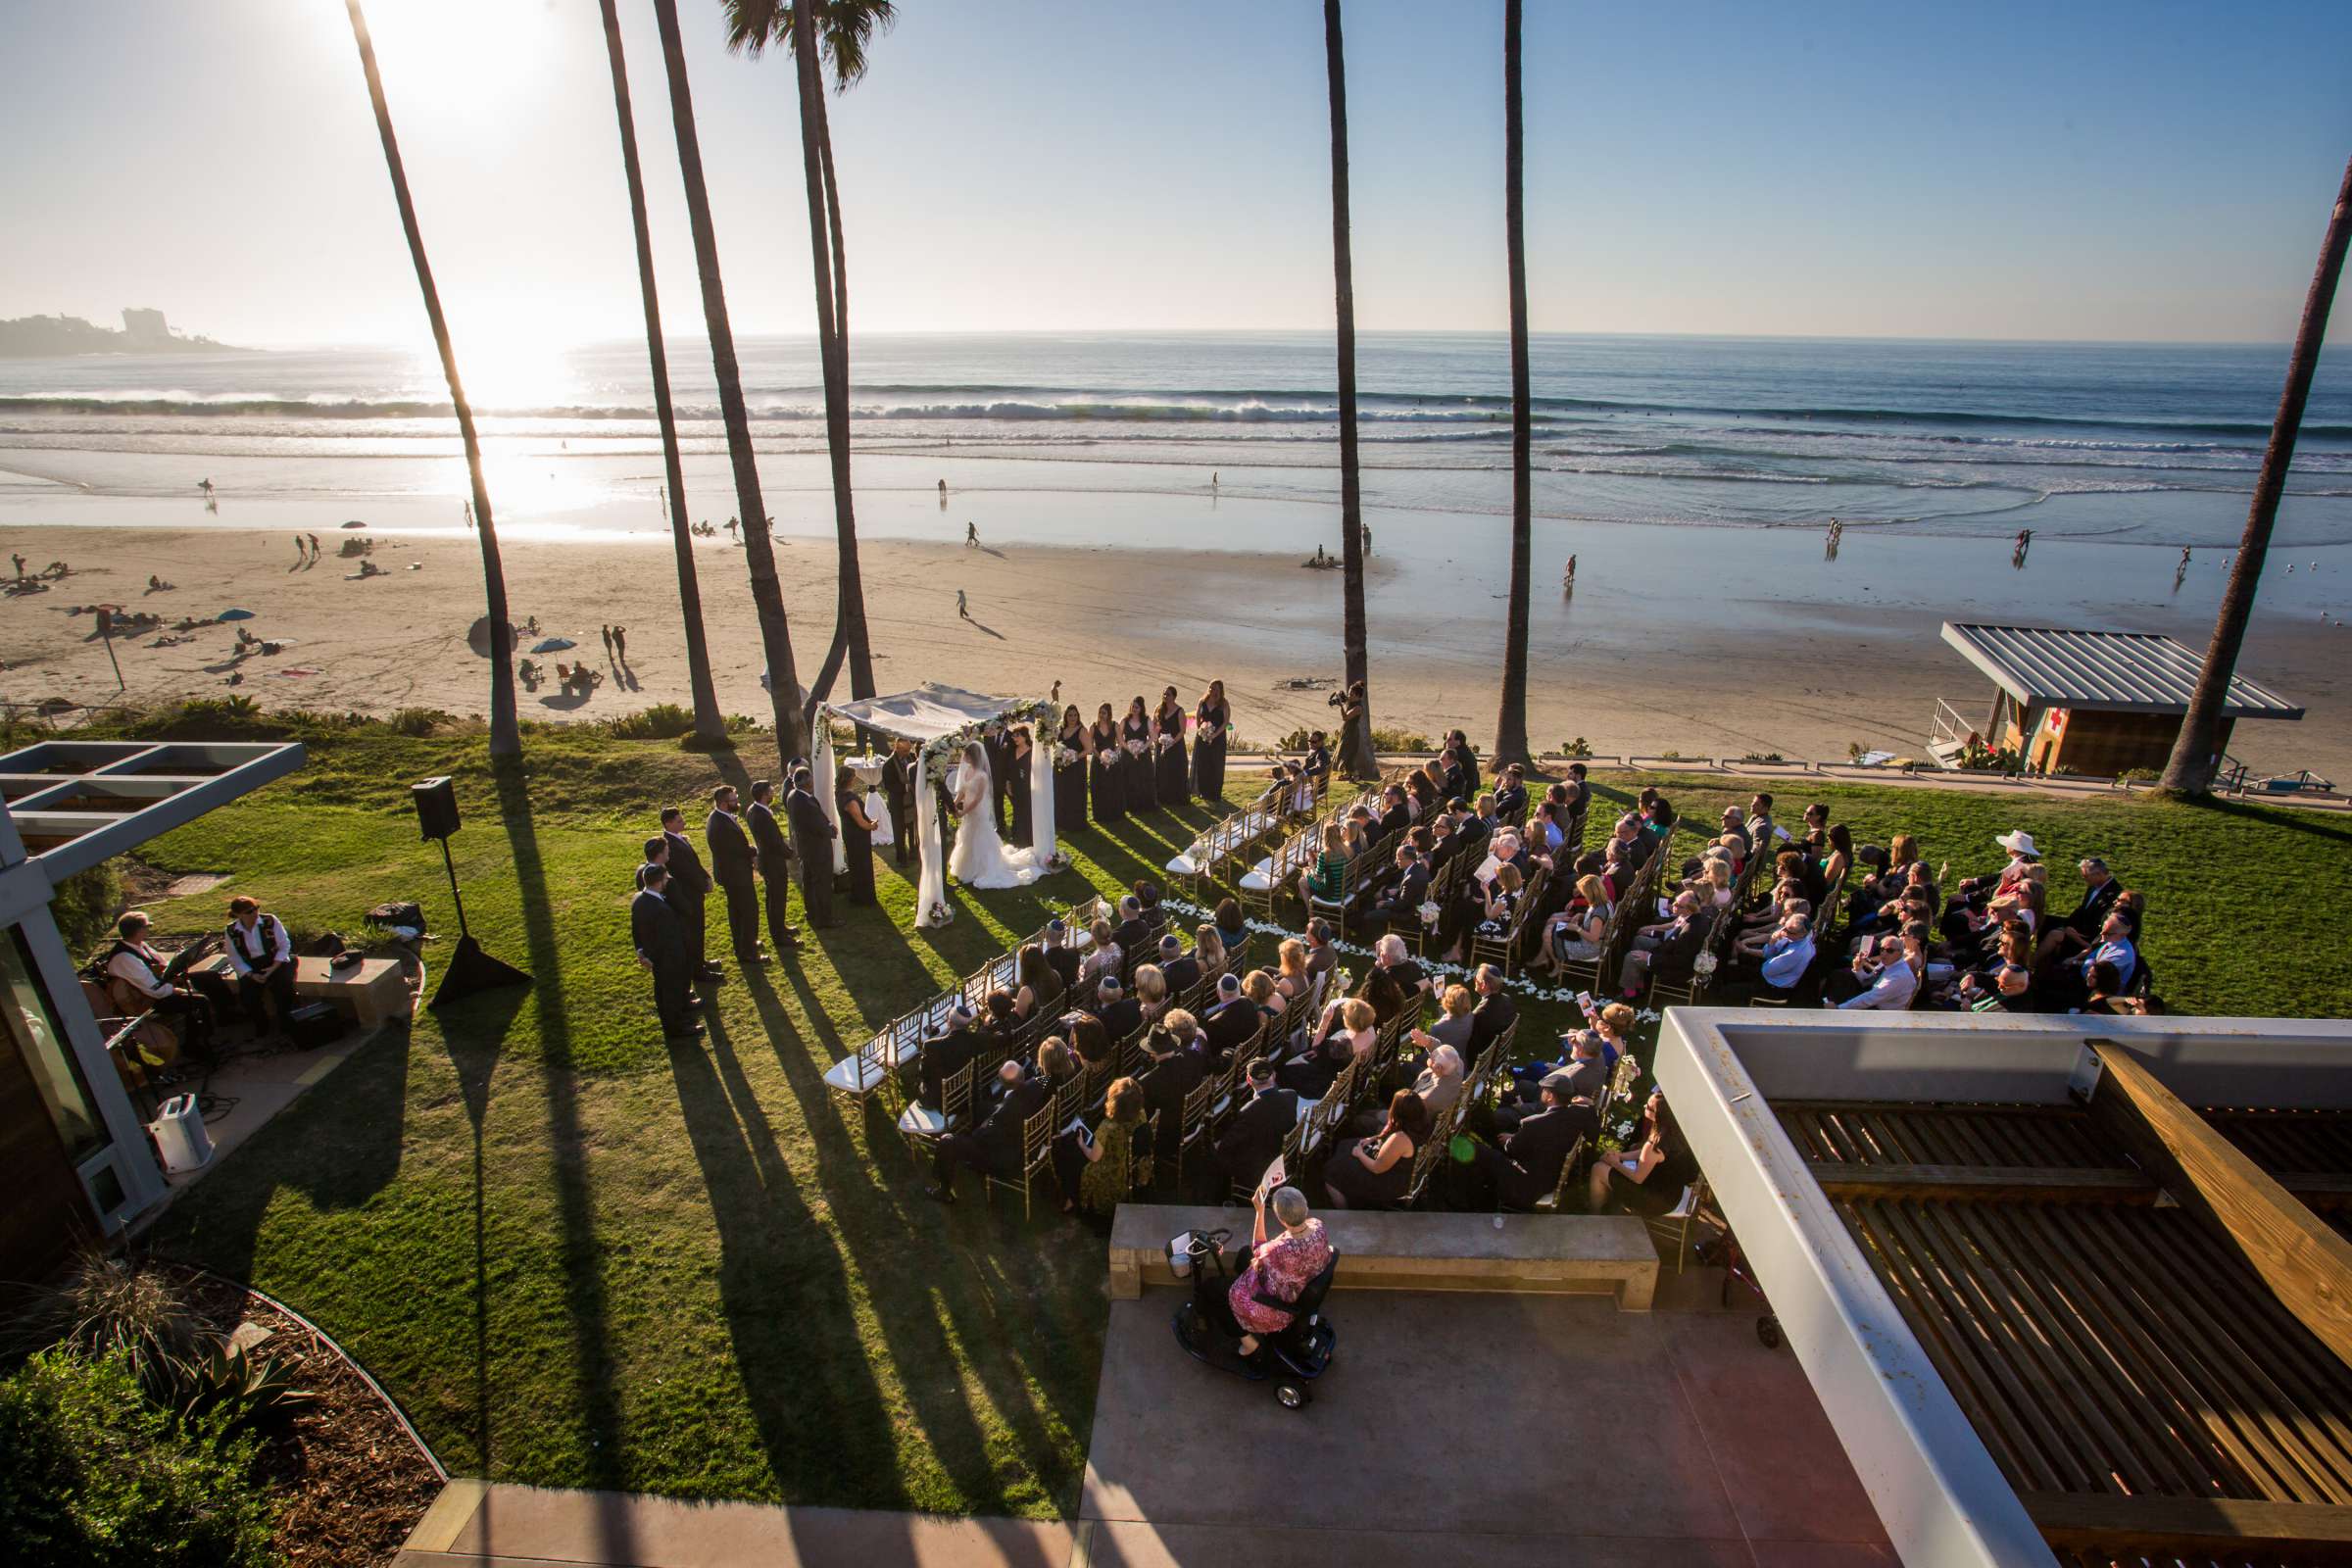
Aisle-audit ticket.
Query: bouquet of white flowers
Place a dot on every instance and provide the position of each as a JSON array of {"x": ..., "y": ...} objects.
[
  {"x": 1163, "y": 741},
  {"x": 1429, "y": 912},
  {"x": 1133, "y": 748},
  {"x": 1063, "y": 757}
]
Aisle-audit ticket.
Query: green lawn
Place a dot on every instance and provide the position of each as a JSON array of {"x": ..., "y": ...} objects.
[{"x": 578, "y": 1258}]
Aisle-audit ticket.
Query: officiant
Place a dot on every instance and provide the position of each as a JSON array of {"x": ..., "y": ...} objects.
[{"x": 897, "y": 791}]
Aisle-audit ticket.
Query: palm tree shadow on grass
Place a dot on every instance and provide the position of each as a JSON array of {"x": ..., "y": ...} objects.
[
  {"x": 782, "y": 1283},
  {"x": 583, "y": 1271},
  {"x": 889, "y": 1248}
]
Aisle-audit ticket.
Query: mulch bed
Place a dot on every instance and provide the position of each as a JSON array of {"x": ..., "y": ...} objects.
[{"x": 351, "y": 1483}]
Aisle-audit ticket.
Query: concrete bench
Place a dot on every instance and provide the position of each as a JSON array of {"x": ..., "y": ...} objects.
[{"x": 1547, "y": 1254}]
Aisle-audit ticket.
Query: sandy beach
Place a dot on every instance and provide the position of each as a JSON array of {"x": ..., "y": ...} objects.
[{"x": 1702, "y": 657}]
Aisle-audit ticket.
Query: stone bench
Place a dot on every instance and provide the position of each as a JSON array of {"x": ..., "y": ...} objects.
[{"x": 1546, "y": 1254}]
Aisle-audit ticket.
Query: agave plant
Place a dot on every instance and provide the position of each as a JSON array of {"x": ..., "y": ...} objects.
[{"x": 237, "y": 1388}]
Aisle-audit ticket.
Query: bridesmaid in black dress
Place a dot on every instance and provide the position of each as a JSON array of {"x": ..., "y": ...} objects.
[
  {"x": 1143, "y": 782},
  {"x": 1106, "y": 776},
  {"x": 1069, "y": 779},
  {"x": 1209, "y": 744},
  {"x": 1174, "y": 776},
  {"x": 856, "y": 836},
  {"x": 1018, "y": 761}
]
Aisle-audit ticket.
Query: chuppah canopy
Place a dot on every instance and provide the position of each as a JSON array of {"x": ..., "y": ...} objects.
[
  {"x": 930, "y": 711},
  {"x": 939, "y": 719}
]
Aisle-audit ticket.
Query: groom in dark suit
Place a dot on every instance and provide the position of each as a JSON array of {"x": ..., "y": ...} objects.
[
  {"x": 997, "y": 742},
  {"x": 898, "y": 789}
]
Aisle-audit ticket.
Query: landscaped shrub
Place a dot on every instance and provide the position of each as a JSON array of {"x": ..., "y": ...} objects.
[
  {"x": 663, "y": 722},
  {"x": 84, "y": 904},
  {"x": 96, "y": 1477},
  {"x": 416, "y": 721}
]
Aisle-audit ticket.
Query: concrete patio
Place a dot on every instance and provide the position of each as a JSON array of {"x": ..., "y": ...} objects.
[{"x": 1475, "y": 1429}]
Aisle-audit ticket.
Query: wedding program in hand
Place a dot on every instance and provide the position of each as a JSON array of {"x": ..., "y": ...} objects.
[{"x": 980, "y": 858}]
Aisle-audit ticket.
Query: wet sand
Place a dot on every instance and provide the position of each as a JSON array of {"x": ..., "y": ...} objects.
[{"x": 1710, "y": 642}]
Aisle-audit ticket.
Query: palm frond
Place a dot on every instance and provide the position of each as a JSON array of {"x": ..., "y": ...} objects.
[{"x": 844, "y": 29}]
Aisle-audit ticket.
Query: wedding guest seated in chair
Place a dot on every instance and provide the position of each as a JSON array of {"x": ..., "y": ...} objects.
[
  {"x": 993, "y": 1148},
  {"x": 1649, "y": 1178},
  {"x": 1375, "y": 1171}
]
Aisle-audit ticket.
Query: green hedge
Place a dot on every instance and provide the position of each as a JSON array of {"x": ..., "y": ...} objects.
[{"x": 93, "y": 1476}]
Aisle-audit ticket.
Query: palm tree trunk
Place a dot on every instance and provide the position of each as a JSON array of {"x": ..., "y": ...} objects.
[
  {"x": 1510, "y": 729},
  {"x": 2196, "y": 752},
  {"x": 505, "y": 739},
  {"x": 829, "y": 266},
  {"x": 767, "y": 595},
  {"x": 1351, "y": 490},
  {"x": 709, "y": 724}
]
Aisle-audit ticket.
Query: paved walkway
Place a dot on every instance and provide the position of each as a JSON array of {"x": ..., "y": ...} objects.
[
  {"x": 1453, "y": 1431},
  {"x": 476, "y": 1524}
]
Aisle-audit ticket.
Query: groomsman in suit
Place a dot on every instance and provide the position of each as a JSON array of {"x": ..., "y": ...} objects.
[
  {"x": 689, "y": 885},
  {"x": 775, "y": 864},
  {"x": 813, "y": 832},
  {"x": 734, "y": 864},
  {"x": 898, "y": 789},
  {"x": 661, "y": 944}
]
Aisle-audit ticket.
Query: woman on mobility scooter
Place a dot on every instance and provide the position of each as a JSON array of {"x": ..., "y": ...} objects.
[{"x": 1279, "y": 1268}]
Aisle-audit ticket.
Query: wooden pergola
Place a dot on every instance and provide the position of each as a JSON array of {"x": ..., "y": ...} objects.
[{"x": 2144, "y": 1308}]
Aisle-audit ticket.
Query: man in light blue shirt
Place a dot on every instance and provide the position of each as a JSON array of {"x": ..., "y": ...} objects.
[
  {"x": 1790, "y": 954},
  {"x": 2115, "y": 948}
]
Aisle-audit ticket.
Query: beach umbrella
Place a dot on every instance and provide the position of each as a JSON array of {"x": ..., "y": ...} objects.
[
  {"x": 355, "y": 523},
  {"x": 553, "y": 644},
  {"x": 234, "y": 614}
]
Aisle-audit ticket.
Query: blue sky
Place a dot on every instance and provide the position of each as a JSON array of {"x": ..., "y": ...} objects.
[{"x": 2086, "y": 171}]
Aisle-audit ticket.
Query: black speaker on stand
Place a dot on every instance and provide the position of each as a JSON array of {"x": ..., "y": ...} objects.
[{"x": 469, "y": 970}]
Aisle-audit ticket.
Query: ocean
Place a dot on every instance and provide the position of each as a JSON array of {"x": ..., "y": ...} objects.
[{"x": 2141, "y": 444}]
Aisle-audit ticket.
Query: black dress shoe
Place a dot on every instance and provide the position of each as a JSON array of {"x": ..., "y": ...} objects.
[
  {"x": 693, "y": 1031},
  {"x": 751, "y": 960},
  {"x": 711, "y": 971}
]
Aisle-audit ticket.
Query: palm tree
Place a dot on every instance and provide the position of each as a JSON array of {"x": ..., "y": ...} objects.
[
  {"x": 1510, "y": 729},
  {"x": 505, "y": 739},
  {"x": 767, "y": 595},
  {"x": 836, "y": 34},
  {"x": 1356, "y": 751},
  {"x": 709, "y": 724},
  {"x": 2190, "y": 768}
]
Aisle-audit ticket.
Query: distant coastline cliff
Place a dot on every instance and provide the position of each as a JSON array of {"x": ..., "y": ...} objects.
[{"x": 143, "y": 332}]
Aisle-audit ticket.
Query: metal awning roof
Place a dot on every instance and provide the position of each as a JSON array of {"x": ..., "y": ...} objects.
[
  {"x": 2102, "y": 671},
  {"x": 73, "y": 803}
]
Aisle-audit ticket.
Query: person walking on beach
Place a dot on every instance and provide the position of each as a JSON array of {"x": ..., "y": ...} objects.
[
  {"x": 1568, "y": 576},
  {"x": 313, "y": 547},
  {"x": 607, "y": 645},
  {"x": 468, "y": 513},
  {"x": 1367, "y": 529},
  {"x": 620, "y": 646},
  {"x": 19, "y": 560},
  {"x": 963, "y": 609},
  {"x": 205, "y": 485},
  {"x": 2181, "y": 571},
  {"x": 302, "y": 552},
  {"x": 971, "y": 536}
]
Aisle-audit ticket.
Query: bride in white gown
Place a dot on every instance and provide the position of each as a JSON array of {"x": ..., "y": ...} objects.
[{"x": 980, "y": 858}]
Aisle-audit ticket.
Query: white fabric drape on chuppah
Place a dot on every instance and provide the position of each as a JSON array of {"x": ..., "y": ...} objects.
[
  {"x": 822, "y": 767},
  {"x": 931, "y": 880},
  {"x": 1041, "y": 796}
]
